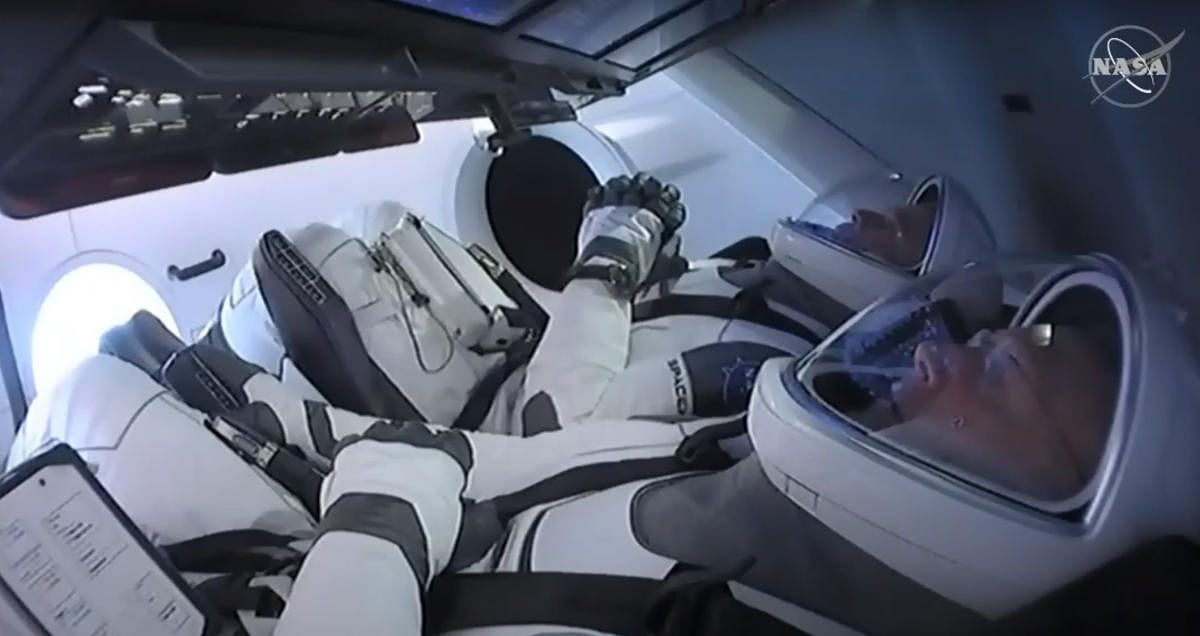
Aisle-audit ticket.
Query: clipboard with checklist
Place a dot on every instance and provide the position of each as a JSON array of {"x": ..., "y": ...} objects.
[{"x": 72, "y": 563}]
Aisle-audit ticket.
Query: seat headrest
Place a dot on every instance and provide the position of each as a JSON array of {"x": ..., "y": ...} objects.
[
  {"x": 143, "y": 341},
  {"x": 209, "y": 379},
  {"x": 318, "y": 332}
]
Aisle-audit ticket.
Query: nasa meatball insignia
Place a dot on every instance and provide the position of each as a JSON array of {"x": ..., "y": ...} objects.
[{"x": 1129, "y": 66}]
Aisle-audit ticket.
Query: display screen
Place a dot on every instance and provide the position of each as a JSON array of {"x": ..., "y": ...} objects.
[
  {"x": 675, "y": 32},
  {"x": 590, "y": 26},
  {"x": 489, "y": 12}
]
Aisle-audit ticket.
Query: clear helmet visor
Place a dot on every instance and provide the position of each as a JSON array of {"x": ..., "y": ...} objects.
[
  {"x": 884, "y": 218},
  {"x": 1004, "y": 376}
]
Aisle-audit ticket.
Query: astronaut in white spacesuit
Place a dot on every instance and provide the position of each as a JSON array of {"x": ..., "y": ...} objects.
[
  {"x": 654, "y": 343},
  {"x": 954, "y": 452}
]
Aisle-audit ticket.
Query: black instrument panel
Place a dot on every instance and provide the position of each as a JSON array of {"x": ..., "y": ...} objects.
[{"x": 102, "y": 103}]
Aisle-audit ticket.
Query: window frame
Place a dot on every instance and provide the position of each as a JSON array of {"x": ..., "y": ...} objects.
[{"x": 10, "y": 374}]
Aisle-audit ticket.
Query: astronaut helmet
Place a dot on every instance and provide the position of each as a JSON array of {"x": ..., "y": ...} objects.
[
  {"x": 402, "y": 324},
  {"x": 996, "y": 432},
  {"x": 866, "y": 237}
]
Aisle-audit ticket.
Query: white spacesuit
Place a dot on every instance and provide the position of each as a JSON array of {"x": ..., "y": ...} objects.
[
  {"x": 957, "y": 450},
  {"x": 686, "y": 345}
]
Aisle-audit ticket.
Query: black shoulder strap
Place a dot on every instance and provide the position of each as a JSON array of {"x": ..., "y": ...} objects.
[
  {"x": 471, "y": 417},
  {"x": 233, "y": 551},
  {"x": 747, "y": 305},
  {"x": 237, "y": 557},
  {"x": 534, "y": 318},
  {"x": 699, "y": 451},
  {"x": 484, "y": 522},
  {"x": 780, "y": 285},
  {"x": 602, "y": 476},
  {"x": 229, "y": 594},
  {"x": 611, "y": 604},
  {"x": 531, "y": 314},
  {"x": 751, "y": 248},
  {"x": 666, "y": 268}
]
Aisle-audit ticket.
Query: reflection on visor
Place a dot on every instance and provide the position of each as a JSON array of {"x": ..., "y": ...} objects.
[
  {"x": 877, "y": 358},
  {"x": 841, "y": 233},
  {"x": 1042, "y": 335},
  {"x": 897, "y": 236},
  {"x": 944, "y": 375}
]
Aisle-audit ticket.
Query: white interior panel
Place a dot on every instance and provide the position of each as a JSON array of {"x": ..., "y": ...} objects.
[
  {"x": 33, "y": 250},
  {"x": 732, "y": 188},
  {"x": 922, "y": 84}
]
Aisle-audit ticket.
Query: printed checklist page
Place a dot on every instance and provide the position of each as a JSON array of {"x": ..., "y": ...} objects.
[{"x": 78, "y": 570}]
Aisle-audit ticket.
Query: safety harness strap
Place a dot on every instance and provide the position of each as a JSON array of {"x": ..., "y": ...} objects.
[
  {"x": 484, "y": 522},
  {"x": 245, "y": 560},
  {"x": 233, "y": 551},
  {"x": 531, "y": 316},
  {"x": 593, "y": 478},
  {"x": 699, "y": 451},
  {"x": 751, "y": 248},
  {"x": 229, "y": 594},
  {"x": 471, "y": 417},
  {"x": 623, "y": 605},
  {"x": 747, "y": 305},
  {"x": 666, "y": 268},
  {"x": 242, "y": 553}
]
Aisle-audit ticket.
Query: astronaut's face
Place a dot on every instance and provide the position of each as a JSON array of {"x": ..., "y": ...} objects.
[
  {"x": 897, "y": 235},
  {"x": 1029, "y": 415}
]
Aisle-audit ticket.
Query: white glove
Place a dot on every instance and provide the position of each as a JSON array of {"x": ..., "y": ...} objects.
[
  {"x": 392, "y": 508},
  {"x": 403, "y": 483},
  {"x": 627, "y": 222}
]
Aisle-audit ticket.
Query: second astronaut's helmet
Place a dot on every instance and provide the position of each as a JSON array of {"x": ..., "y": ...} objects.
[{"x": 868, "y": 236}]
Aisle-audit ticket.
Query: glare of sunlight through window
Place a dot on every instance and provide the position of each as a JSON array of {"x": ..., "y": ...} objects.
[{"x": 82, "y": 305}]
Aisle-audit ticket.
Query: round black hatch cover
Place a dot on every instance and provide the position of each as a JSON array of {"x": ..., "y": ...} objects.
[{"x": 535, "y": 196}]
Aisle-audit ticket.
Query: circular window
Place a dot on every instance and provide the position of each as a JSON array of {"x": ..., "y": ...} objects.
[
  {"x": 535, "y": 196},
  {"x": 86, "y": 302}
]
